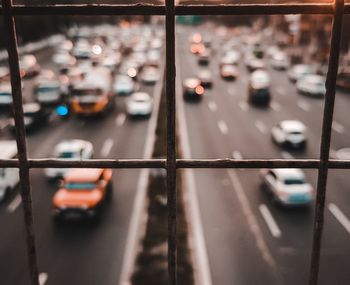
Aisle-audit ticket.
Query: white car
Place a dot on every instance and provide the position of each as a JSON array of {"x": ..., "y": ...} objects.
[
  {"x": 279, "y": 61},
  {"x": 313, "y": 85},
  {"x": 298, "y": 71},
  {"x": 69, "y": 149},
  {"x": 150, "y": 75},
  {"x": 63, "y": 60},
  {"x": 5, "y": 94},
  {"x": 289, "y": 133},
  {"x": 288, "y": 186},
  {"x": 9, "y": 177},
  {"x": 139, "y": 104},
  {"x": 28, "y": 65},
  {"x": 123, "y": 84}
]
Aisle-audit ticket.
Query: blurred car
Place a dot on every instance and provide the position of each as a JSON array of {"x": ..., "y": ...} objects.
[
  {"x": 313, "y": 85},
  {"x": 279, "y": 61},
  {"x": 150, "y": 75},
  {"x": 72, "y": 76},
  {"x": 192, "y": 89},
  {"x": 66, "y": 46},
  {"x": 343, "y": 79},
  {"x": 34, "y": 116},
  {"x": 288, "y": 186},
  {"x": 123, "y": 85},
  {"x": 228, "y": 71},
  {"x": 255, "y": 64},
  {"x": 230, "y": 57},
  {"x": 289, "y": 133},
  {"x": 69, "y": 149},
  {"x": 259, "y": 88},
  {"x": 197, "y": 48},
  {"x": 9, "y": 177},
  {"x": 28, "y": 66},
  {"x": 139, "y": 104},
  {"x": 130, "y": 68},
  {"x": 5, "y": 94},
  {"x": 63, "y": 60},
  {"x": 93, "y": 95},
  {"x": 4, "y": 74},
  {"x": 153, "y": 57},
  {"x": 47, "y": 88},
  {"x": 298, "y": 71},
  {"x": 82, "y": 194},
  {"x": 111, "y": 61},
  {"x": 205, "y": 78},
  {"x": 203, "y": 58},
  {"x": 82, "y": 50}
]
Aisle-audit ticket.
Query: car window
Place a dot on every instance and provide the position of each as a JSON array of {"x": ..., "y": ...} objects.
[
  {"x": 79, "y": 186},
  {"x": 293, "y": 181}
]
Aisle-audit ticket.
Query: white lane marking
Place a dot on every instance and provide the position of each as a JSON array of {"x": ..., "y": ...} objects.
[
  {"x": 107, "y": 147},
  {"x": 43, "y": 278},
  {"x": 231, "y": 91},
  {"x": 281, "y": 91},
  {"x": 339, "y": 215},
  {"x": 223, "y": 127},
  {"x": 237, "y": 154},
  {"x": 202, "y": 272},
  {"x": 137, "y": 227},
  {"x": 120, "y": 119},
  {"x": 212, "y": 106},
  {"x": 305, "y": 106},
  {"x": 14, "y": 203},
  {"x": 275, "y": 106},
  {"x": 261, "y": 126},
  {"x": 244, "y": 106},
  {"x": 286, "y": 155},
  {"x": 270, "y": 221},
  {"x": 251, "y": 219},
  {"x": 339, "y": 128}
]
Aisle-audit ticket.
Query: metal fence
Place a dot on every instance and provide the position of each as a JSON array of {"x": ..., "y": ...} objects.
[{"x": 172, "y": 163}]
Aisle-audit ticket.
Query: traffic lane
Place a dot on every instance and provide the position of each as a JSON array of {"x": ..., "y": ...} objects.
[{"x": 201, "y": 124}]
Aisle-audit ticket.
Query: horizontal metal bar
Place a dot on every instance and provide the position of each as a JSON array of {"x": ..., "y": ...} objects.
[
  {"x": 150, "y": 9},
  {"x": 180, "y": 163}
]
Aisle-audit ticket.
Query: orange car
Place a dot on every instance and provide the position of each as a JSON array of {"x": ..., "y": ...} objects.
[{"x": 83, "y": 193}]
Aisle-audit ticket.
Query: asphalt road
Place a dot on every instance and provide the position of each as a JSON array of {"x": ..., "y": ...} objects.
[
  {"x": 78, "y": 253},
  {"x": 243, "y": 245}
]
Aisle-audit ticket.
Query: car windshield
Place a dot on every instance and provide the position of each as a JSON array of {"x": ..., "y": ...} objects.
[
  {"x": 66, "y": 155},
  {"x": 86, "y": 92},
  {"x": 5, "y": 94},
  {"x": 79, "y": 186},
  {"x": 293, "y": 181},
  {"x": 47, "y": 89}
]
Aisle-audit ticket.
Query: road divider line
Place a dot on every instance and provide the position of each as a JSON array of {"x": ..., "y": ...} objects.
[
  {"x": 223, "y": 127},
  {"x": 270, "y": 221},
  {"x": 107, "y": 147},
  {"x": 137, "y": 226},
  {"x": 261, "y": 127},
  {"x": 212, "y": 106},
  {"x": 340, "y": 216},
  {"x": 120, "y": 119},
  {"x": 244, "y": 106},
  {"x": 281, "y": 91},
  {"x": 305, "y": 106},
  {"x": 286, "y": 155},
  {"x": 252, "y": 221},
  {"x": 43, "y": 278},
  {"x": 231, "y": 91},
  {"x": 202, "y": 274},
  {"x": 237, "y": 154},
  {"x": 14, "y": 203},
  {"x": 339, "y": 128},
  {"x": 275, "y": 106}
]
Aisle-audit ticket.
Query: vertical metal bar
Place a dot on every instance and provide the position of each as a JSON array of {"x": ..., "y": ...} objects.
[
  {"x": 171, "y": 140},
  {"x": 326, "y": 140},
  {"x": 11, "y": 45}
]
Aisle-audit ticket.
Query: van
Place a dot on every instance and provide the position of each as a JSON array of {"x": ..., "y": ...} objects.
[
  {"x": 259, "y": 88},
  {"x": 9, "y": 177}
]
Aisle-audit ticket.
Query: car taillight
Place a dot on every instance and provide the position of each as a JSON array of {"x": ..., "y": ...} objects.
[{"x": 199, "y": 90}]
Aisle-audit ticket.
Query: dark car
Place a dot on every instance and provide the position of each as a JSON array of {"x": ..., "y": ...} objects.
[
  {"x": 192, "y": 89},
  {"x": 34, "y": 116},
  {"x": 259, "y": 88}
]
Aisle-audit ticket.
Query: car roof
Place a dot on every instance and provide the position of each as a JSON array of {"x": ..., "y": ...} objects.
[
  {"x": 285, "y": 173},
  {"x": 292, "y": 125},
  {"x": 31, "y": 107},
  {"x": 8, "y": 149},
  {"x": 191, "y": 82},
  {"x": 141, "y": 96},
  {"x": 83, "y": 174},
  {"x": 70, "y": 145},
  {"x": 315, "y": 78}
]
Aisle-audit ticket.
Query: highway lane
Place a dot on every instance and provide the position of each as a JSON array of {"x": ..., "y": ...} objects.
[
  {"x": 77, "y": 253},
  {"x": 246, "y": 138}
]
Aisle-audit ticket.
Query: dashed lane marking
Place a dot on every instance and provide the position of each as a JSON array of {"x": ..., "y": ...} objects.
[
  {"x": 223, "y": 127},
  {"x": 120, "y": 119},
  {"x": 14, "y": 203},
  {"x": 340, "y": 216},
  {"x": 261, "y": 127},
  {"x": 107, "y": 147},
  {"x": 212, "y": 106},
  {"x": 270, "y": 221}
]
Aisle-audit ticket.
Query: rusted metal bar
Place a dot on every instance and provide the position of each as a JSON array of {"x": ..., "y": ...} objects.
[
  {"x": 149, "y": 9},
  {"x": 326, "y": 140},
  {"x": 89, "y": 9},
  {"x": 11, "y": 46},
  {"x": 170, "y": 70}
]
